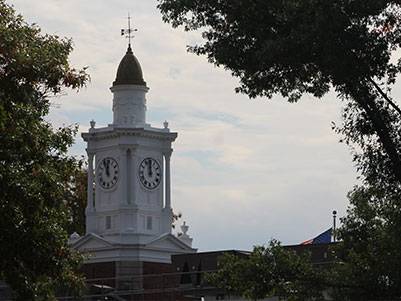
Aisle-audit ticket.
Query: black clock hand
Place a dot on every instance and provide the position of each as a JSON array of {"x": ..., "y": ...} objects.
[
  {"x": 150, "y": 170},
  {"x": 107, "y": 168}
]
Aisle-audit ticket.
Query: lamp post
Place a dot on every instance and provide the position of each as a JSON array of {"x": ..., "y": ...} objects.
[{"x": 334, "y": 225}]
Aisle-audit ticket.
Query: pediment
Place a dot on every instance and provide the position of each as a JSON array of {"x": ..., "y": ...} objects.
[
  {"x": 91, "y": 241},
  {"x": 169, "y": 242}
]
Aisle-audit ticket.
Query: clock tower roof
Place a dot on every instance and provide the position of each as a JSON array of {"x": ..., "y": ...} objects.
[{"x": 129, "y": 71}]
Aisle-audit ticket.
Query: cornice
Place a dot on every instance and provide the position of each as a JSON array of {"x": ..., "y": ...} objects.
[{"x": 116, "y": 132}]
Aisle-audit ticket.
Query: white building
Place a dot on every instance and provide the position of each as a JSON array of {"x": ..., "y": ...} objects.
[{"x": 128, "y": 222}]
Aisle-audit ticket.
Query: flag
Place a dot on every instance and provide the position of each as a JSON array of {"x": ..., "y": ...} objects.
[{"x": 323, "y": 238}]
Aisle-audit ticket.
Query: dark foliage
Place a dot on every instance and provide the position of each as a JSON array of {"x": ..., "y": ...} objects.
[{"x": 34, "y": 168}]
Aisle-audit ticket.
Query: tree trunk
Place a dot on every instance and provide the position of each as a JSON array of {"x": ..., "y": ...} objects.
[{"x": 366, "y": 100}]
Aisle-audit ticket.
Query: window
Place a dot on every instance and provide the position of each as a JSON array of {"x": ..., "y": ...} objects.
[
  {"x": 108, "y": 222},
  {"x": 149, "y": 223}
]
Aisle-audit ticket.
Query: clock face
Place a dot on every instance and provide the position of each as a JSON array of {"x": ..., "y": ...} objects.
[
  {"x": 150, "y": 173},
  {"x": 107, "y": 174}
]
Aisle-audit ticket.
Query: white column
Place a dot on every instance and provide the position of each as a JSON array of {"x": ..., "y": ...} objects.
[
  {"x": 167, "y": 198},
  {"x": 89, "y": 206},
  {"x": 134, "y": 174},
  {"x": 124, "y": 176}
]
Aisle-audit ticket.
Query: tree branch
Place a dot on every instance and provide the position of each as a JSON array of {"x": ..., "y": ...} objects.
[
  {"x": 384, "y": 95},
  {"x": 366, "y": 101}
]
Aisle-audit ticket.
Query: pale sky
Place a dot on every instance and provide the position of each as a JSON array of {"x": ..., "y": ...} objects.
[{"x": 243, "y": 171}]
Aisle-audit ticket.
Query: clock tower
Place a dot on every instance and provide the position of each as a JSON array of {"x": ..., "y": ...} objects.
[{"x": 129, "y": 213}]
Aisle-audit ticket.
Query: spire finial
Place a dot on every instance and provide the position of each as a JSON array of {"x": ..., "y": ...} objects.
[{"x": 129, "y": 32}]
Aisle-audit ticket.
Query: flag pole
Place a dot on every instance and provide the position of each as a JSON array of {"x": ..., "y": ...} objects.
[{"x": 334, "y": 225}]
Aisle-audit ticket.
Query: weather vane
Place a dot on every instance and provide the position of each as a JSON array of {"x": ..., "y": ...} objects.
[{"x": 129, "y": 33}]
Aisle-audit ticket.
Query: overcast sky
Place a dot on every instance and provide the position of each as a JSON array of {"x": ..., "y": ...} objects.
[{"x": 243, "y": 171}]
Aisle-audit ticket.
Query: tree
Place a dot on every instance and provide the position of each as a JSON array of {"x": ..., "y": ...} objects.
[
  {"x": 293, "y": 47},
  {"x": 76, "y": 200},
  {"x": 34, "y": 167},
  {"x": 270, "y": 271},
  {"x": 369, "y": 255}
]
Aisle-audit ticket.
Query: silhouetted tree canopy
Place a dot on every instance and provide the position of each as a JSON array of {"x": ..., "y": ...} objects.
[
  {"x": 293, "y": 47},
  {"x": 297, "y": 47}
]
